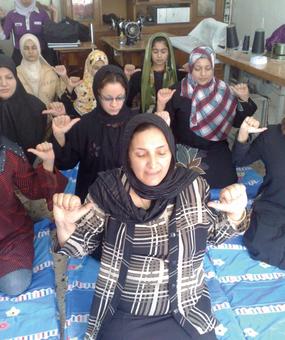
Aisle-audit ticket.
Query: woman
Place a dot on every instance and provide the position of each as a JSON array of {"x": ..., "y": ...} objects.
[
  {"x": 26, "y": 18},
  {"x": 21, "y": 118},
  {"x": 159, "y": 71},
  {"x": 16, "y": 228},
  {"x": 79, "y": 98},
  {"x": 265, "y": 238},
  {"x": 203, "y": 110},
  {"x": 94, "y": 141},
  {"x": 35, "y": 73},
  {"x": 155, "y": 222}
]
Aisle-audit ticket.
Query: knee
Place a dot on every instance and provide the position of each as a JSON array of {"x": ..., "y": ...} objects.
[{"x": 16, "y": 282}]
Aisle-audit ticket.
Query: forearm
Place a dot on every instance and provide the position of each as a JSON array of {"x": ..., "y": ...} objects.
[
  {"x": 224, "y": 227},
  {"x": 62, "y": 234},
  {"x": 160, "y": 106},
  {"x": 2, "y": 34},
  {"x": 60, "y": 138}
]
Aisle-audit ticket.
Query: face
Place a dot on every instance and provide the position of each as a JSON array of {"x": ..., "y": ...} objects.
[
  {"x": 150, "y": 156},
  {"x": 30, "y": 51},
  {"x": 97, "y": 60},
  {"x": 26, "y": 3},
  {"x": 202, "y": 71},
  {"x": 112, "y": 97},
  {"x": 159, "y": 53},
  {"x": 8, "y": 83}
]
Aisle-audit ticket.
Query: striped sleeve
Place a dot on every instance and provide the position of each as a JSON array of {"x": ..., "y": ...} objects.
[{"x": 221, "y": 228}]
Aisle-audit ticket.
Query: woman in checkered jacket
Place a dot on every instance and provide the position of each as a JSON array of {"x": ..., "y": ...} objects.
[{"x": 153, "y": 219}]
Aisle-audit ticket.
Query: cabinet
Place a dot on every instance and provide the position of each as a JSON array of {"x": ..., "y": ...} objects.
[{"x": 166, "y": 15}]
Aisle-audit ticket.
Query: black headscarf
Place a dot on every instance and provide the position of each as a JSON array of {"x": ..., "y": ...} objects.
[
  {"x": 21, "y": 118},
  {"x": 99, "y": 77},
  {"x": 176, "y": 178},
  {"x": 110, "y": 191}
]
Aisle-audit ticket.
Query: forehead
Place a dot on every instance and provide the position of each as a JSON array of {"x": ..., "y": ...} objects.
[
  {"x": 203, "y": 62},
  {"x": 113, "y": 88},
  {"x": 148, "y": 138},
  {"x": 4, "y": 71},
  {"x": 29, "y": 43},
  {"x": 160, "y": 45}
]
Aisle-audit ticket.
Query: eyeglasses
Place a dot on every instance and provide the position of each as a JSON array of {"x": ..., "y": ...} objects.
[{"x": 111, "y": 99}]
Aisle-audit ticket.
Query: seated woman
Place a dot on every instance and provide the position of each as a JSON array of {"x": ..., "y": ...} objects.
[
  {"x": 79, "y": 98},
  {"x": 155, "y": 220},
  {"x": 94, "y": 141},
  {"x": 21, "y": 118},
  {"x": 16, "y": 228},
  {"x": 203, "y": 110},
  {"x": 37, "y": 76},
  {"x": 159, "y": 71},
  {"x": 265, "y": 238}
]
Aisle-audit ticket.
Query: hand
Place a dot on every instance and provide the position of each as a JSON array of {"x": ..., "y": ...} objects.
[
  {"x": 185, "y": 68},
  {"x": 241, "y": 91},
  {"x": 62, "y": 124},
  {"x": 233, "y": 201},
  {"x": 73, "y": 82},
  {"x": 163, "y": 96},
  {"x": 2, "y": 13},
  {"x": 55, "y": 109},
  {"x": 67, "y": 209},
  {"x": 249, "y": 125},
  {"x": 61, "y": 71},
  {"x": 45, "y": 152},
  {"x": 130, "y": 69},
  {"x": 165, "y": 116},
  {"x": 52, "y": 8}
]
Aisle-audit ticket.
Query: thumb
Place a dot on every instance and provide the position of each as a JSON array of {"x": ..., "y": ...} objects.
[
  {"x": 217, "y": 205},
  {"x": 84, "y": 209},
  {"x": 46, "y": 112},
  {"x": 35, "y": 152},
  {"x": 256, "y": 130},
  {"x": 73, "y": 122}
]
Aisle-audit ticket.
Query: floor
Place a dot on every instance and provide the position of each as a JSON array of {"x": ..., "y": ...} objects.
[{"x": 60, "y": 263}]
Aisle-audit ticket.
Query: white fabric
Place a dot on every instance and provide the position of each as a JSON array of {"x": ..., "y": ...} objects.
[
  {"x": 26, "y": 11},
  {"x": 209, "y": 32}
]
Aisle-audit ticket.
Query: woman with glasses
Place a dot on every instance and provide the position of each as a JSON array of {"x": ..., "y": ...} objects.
[
  {"x": 159, "y": 71},
  {"x": 94, "y": 140}
]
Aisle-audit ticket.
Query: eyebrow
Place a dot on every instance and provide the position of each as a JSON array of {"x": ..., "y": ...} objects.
[{"x": 159, "y": 147}]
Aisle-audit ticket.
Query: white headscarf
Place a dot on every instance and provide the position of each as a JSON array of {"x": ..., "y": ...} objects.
[
  {"x": 32, "y": 69},
  {"x": 26, "y": 11}
]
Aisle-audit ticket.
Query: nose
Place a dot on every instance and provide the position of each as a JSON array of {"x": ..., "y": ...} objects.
[
  {"x": 114, "y": 102},
  {"x": 3, "y": 82},
  {"x": 152, "y": 162},
  {"x": 203, "y": 71}
]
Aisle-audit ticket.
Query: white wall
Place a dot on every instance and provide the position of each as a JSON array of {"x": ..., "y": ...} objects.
[
  {"x": 7, "y": 45},
  {"x": 248, "y": 16}
]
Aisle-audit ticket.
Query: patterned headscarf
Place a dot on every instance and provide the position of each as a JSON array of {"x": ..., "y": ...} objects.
[
  {"x": 85, "y": 101},
  {"x": 213, "y": 105},
  {"x": 148, "y": 92}
]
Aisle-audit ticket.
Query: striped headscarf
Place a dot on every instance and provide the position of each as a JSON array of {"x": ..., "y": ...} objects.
[{"x": 213, "y": 105}]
